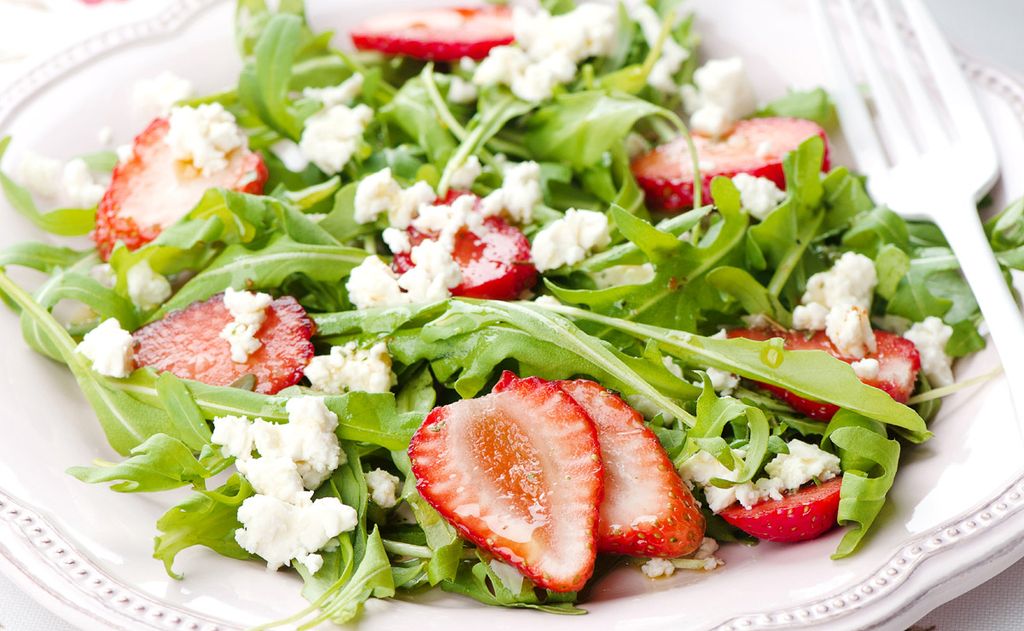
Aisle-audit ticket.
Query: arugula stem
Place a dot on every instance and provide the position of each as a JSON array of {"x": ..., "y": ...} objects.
[
  {"x": 793, "y": 256},
  {"x": 953, "y": 388}
]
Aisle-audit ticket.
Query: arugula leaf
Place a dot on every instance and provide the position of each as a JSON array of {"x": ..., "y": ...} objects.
[
  {"x": 206, "y": 518},
  {"x": 68, "y": 222},
  {"x": 40, "y": 256},
  {"x": 159, "y": 464},
  {"x": 263, "y": 85},
  {"x": 814, "y": 105},
  {"x": 478, "y": 581},
  {"x": 869, "y": 461}
]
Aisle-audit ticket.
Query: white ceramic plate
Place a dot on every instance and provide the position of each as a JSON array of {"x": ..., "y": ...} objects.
[{"x": 954, "y": 517}]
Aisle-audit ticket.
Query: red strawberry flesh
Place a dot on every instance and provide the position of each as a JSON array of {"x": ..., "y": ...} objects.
[
  {"x": 519, "y": 474},
  {"x": 647, "y": 510},
  {"x": 438, "y": 34},
  {"x": 805, "y": 514},
  {"x": 151, "y": 190},
  {"x": 187, "y": 343},
  {"x": 495, "y": 265},
  {"x": 898, "y": 365},
  {"x": 756, "y": 146}
]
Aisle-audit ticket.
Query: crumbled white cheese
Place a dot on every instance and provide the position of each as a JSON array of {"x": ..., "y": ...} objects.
[
  {"x": 930, "y": 337},
  {"x": 289, "y": 153},
  {"x": 434, "y": 275},
  {"x": 671, "y": 365},
  {"x": 851, "y": 281},
  {"x": 446, "y": 221},
  {"x": 866, "y": 368},
  {"x": 547, "y": 301},
  {"x": 332, "y": 136},
  {"x": 155, "y": 97},
  {"x": 380, "y": 193},
  {"x": 759, "y": 195},
  {"x": 461, "y": 91},
  {"x": 509, "y": 576},
  {"x": 281, "y": 523},
  {"x": 79, "y": 186},
  {"x": 105, "y": 135},
  {"x": 374, "y": 284},
  {"x": 519, "y": 193},
  {"x": 397, "y": 240},
  {"x": 803, "y": 463},
  {"x": 662, "y": 75},
  {"x": 248, "y": 311},
  {"x": 463, "y": 177},
  {"x": 349, "y": 368},
  {"x": 279, "y": 532},
  {"x": 124, "y": 153},
  {"x": 341, "y": 94},
  {"x": 110, "y": 349},
  {"x": 383, "y": 487},
  {"x": 657, "y": 568},
  {"x": 547, "y": 49},
  {"x": 204, "y": 136},
  {"x": 619, "y": 275},
  {"x": 39, "y": 174},
  {"x": 723, "y": 381},
  {"x": 147, "y": 289},
  {"x": 810, "y": 317},
  {"x": 569, "y": 240},
  {"x": 848, "y": 327},
  {"x": 723, "y": 95}
]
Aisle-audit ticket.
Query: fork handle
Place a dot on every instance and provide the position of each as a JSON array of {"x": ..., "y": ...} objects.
[{"x": 964, "y": 232}]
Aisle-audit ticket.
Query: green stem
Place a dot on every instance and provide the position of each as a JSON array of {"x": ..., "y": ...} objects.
[{"x": 789, "y": 262}]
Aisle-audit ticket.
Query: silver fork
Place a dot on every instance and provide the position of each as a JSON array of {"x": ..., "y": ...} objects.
[{"x": 940, "y": 172}]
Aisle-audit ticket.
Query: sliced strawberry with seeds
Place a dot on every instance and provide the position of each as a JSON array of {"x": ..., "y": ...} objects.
[
  {"x": 188, "y": 344},
  {"x": 647, "y": 510},
  {"x": 152, "y": 190},
  {"x": 439, "y": 34},
  {"x": 519, "y": 474},
  {"x": 805, "y": 514},
  {"x": 756, "y": 146},
  {"x": 496, "y": 264},
  {"x": 898, "y": 365}
]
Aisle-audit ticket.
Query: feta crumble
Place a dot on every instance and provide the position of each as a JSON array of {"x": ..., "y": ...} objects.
[
  {"x": 280, "y": 532},
  {"x": 146, "y": 288},
  {"x": 548, "y": 301},
  {"x": 434, "y": 275},
  {"x": 80, "y": 188},
  {"x": 547, "y": 50},
  {"x": 866, "y": 368},
  {"x": 383, "y": 488},
  {"x": 759, "y": 195},
  {"x": 373, "y": 283},
  {"x": 203, "y": 136},
  {"x": 658, "y": 568},
  {"x": 332, "y": 136},
  {"x": 849, "y": 329},
  {"x": 569, "y": 240},
  {"x": 810, "y": 317},
  {"x": 930, "y": 337},
  {"x": 341, "y": 94},
  {"x": 248, "y": 311},
  {"x": 723, "y": 381},
  {"x": 349, "y": 368},
  {"x": 50, "y": 178},
  {"x": 461, "y": 91},
  {"x": 39, "y": 174},
  {"x": 850, "y": 281},
  {"x": 519, "y": 193},
  {"x": 110, "y": 349},
  {"x": 380, "y": 193},
  {"x": 722, "y": 96},
  {"x": 155, "y": 97},
  {"x": 396, "y": 240},
  {"x": 803, "y": 463},
  {"x": 463, "y": 177}
]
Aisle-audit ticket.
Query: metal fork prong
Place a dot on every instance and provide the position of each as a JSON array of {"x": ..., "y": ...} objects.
[
  {"x": 932, "y": 131},
  {"x": 857, "y": 127},
  {"x": 894, "y": 124},
  {"x": 953, "y": 87}
]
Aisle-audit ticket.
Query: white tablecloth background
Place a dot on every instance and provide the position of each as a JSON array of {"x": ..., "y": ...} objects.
[{"x": 989, "y": 29}]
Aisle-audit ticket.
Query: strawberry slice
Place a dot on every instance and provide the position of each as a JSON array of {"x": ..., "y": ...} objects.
[
  {"x": 519, "y": 474},
  {"x": 804, "y": 514},
  {"x": 440, "y": 34},
  {"x": 495, "y": 265},
  {"x": 188, "y": 344},
  {"x": 151, "y": 190},
  {"x": 756, "y": 146},
  {"x": 898, "y": 365},
  {"x": 647, "y": 510}
]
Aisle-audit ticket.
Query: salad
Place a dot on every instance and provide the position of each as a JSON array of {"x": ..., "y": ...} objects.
[{"x": 498, "y": 301}]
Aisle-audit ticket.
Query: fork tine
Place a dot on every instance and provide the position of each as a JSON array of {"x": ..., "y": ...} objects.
[
  {"x": 955, "y": 92},
  {"x": 932, "y": 131},
  {"x": 890, "y": 116},
  {"x": 857, "y": 127}
]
